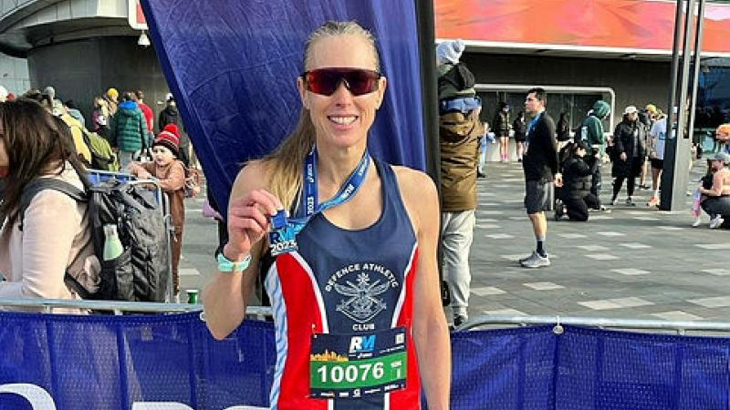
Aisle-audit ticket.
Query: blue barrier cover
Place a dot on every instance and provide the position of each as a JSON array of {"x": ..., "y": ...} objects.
[{"x": 110, "y": 362}]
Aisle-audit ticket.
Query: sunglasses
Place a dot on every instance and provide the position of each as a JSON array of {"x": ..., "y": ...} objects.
[{"x": 325, "y": 81}]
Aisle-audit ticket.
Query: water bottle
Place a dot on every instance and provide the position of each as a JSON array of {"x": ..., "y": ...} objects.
[{"x": 112, "y": 245}]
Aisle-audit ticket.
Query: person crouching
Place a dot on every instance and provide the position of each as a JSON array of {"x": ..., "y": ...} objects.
[
  {"x": 576, "y": 195},
  {"x": 170, "y": 172}
]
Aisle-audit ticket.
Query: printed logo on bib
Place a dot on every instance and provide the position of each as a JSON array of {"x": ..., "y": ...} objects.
[
  {"x": 361, "y": 287},
  {"x": 352, "y": 366}
]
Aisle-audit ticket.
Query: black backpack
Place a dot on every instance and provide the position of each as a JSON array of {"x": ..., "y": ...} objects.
[{"x": 142, "y": 272}]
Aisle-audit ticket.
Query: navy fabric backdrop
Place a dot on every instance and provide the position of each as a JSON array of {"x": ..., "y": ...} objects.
[{"x": 232, "y": 66}]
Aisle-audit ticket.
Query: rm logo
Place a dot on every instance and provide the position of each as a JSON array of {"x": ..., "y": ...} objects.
[{"x": 362, "y": 344}]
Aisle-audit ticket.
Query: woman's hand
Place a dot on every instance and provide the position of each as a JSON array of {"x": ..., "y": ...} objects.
[{"x": 248, "y": 222}]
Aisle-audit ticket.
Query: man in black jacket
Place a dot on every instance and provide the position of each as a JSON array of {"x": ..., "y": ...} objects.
[{"x": 540, "y": 164}]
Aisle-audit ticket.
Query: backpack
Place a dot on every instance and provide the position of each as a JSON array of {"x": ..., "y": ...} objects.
[
  {"x": 141, "y": 273},
  {"x": 102, "y": 155}
]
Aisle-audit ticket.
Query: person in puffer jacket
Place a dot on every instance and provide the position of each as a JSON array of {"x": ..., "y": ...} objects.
[
  {"x": 128, "y": 130},
  {"x": 576, "y": 197}
]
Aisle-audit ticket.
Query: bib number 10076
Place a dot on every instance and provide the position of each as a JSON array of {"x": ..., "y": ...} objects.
[{"x": 359, "y": 377}]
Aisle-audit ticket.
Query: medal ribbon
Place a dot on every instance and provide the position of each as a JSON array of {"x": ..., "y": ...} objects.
[
  {"x": 346, "y": 192},
  {"x": 530, "y": 128}
]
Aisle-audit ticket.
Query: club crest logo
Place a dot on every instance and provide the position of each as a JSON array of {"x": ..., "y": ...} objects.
[{"x": 362, "y": 303}]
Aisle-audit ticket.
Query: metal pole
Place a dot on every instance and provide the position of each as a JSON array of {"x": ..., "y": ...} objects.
[
  {"x": 676, "y": 153},
  {"x": 429, "y": 107},
  {"x": 429, "y": 92},
  {"x": 697, "y": 66}
]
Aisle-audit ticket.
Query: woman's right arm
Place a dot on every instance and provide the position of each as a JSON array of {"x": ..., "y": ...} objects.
[{"x": 226, "y": 295}]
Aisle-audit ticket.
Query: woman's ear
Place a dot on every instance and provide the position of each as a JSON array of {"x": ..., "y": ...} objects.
[
  {"x": 381, "y": 91},
  {"x": 302, "y": 92}
]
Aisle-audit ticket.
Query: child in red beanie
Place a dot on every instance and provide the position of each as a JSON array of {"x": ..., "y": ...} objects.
[{"x": 170, "y": 172}]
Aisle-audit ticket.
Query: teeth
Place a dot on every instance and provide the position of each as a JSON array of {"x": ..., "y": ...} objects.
[{"x": 343, "y": 120}]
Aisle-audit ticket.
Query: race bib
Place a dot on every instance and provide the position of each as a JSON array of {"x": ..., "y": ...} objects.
[{"x": 353, "y": 366}]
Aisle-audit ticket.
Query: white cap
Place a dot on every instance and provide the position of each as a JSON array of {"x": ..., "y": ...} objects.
[
  {"x": 630, "y": 110},
  {"x": 450, "y": 51}
]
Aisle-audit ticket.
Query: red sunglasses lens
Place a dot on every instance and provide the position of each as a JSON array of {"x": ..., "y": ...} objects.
[{"x": 325, "y": 81}]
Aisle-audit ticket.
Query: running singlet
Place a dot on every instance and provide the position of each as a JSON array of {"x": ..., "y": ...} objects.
[{"x": 343, "y": 308}]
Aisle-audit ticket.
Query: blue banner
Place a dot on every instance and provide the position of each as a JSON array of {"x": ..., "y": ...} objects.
[
  {"x": 232, "y": 66},
  {"x": 100, "y": 362}
]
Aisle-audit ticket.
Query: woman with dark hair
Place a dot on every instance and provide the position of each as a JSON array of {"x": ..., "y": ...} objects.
[
  {"x": 562, "y": 128},
  {"x": 576, "y": 196},
  {"x": 501, "y": 126},
  {"x": 355, "y": 245},
  {"x": 628, "y": 154},
  {"x": 520, "y": 128},
  {"x": 53, "y": 236}
]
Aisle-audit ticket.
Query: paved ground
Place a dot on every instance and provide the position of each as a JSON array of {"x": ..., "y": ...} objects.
[{"x": 630, "y": 263}]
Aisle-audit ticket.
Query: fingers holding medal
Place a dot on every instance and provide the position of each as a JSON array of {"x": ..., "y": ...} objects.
[{"x": 249, "y": 219}]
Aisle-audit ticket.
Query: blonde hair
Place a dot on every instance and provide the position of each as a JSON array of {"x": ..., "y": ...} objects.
[
  {"x": 723, "y": 129},
  {"x": 284, "y": 166}
]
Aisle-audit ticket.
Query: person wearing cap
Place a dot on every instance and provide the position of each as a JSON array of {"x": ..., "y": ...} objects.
[
  {"x": 111, "y": 96},
  {"x": 657, "y": 139},
  {"x": 628, "y": 153},
  {"x": 171, "y": 115},
  {"x": 170, "y": 173},
  {"x": 717, "y": 204}
]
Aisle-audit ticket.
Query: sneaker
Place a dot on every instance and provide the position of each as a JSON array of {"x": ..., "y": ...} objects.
[
  {"x": 716, "y": 222},
  {"x": 629, "y": 202},
  {"x": 481, "y": 174},
  {"x": 644, "y": 187},
  {"x": 697, "y": 222},
  {"x": 535, "y": 261},
  {"x": 653, "y": 201}
]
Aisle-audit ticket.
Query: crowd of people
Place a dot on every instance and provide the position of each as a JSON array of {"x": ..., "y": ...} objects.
[{"x": 46, "y": 138}]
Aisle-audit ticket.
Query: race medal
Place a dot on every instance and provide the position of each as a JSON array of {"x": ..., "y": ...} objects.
[
  {"x": 282, "y": 238},
  {"x": 354, "y": 366}
]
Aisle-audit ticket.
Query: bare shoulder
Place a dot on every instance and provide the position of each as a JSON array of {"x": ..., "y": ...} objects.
[
  {"x": 414, "y": 182},
  {"x": 418, "y": 192},
  {"x": 254, "y": 175}
]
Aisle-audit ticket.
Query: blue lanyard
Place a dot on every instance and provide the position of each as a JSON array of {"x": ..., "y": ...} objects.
[
  {"x": 346, "y": 192},
  {"x": 532, "y": 125}
]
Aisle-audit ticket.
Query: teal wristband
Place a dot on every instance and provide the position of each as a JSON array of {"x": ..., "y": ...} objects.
[{"x": 226, "y": 265}]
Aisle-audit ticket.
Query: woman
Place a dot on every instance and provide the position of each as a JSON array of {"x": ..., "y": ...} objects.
[
  {"x": 628, "y": 153},
  {"x": 562, "y": 129},
  {"x": 576, "y": 196},
  {"x": 520, "y": 128},
  {"x": 365, "y": 267},
  {"x": 54, "y": 236},
  {"x": 717, "y": 204},
  {"x": 501, "y": 127}
]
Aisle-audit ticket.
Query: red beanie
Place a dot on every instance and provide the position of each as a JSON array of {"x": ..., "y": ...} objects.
[
  {"x": 172, "y": 128},
  {"x": 169, "y": 140}
]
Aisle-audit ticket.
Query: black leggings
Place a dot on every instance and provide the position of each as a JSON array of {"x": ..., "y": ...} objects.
[
  {"x": 578, "y": 206},
  {"x": 619, "y": 182}
]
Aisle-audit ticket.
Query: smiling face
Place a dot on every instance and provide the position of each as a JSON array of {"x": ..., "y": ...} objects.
[{"x": 342, "y": 119}]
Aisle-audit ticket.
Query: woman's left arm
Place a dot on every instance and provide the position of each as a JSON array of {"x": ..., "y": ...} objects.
[
  {"x": 717, "y": 186},
  {"x": 430, "y": 330}
]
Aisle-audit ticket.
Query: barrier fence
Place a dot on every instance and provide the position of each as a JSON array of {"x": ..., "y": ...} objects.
[{"x": 170, "y": 361}]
